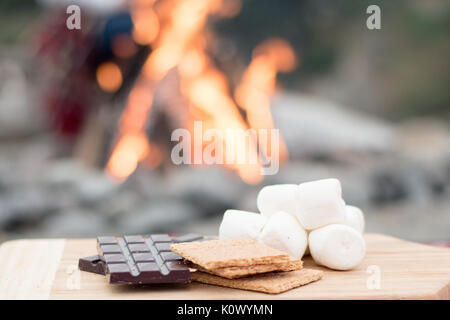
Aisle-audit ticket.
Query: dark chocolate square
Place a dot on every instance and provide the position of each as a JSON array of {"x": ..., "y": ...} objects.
[
  {"x": 134, "y": 239},
  {"x": 106, "y": 240},
  {"x": 162, "y": 246},
  {"x": 114, "y": 258},
  {"x": 143, "y": 257},
  {"x": 110, "y": 248},
  {"x": 118, "y": 268},
  {"x": 147, "y": 266},
  {"x": 170, "y": 256},
  {"x": 138, "y": 247}
]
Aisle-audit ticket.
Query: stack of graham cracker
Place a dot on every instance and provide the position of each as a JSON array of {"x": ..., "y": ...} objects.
[{"x": 245, "y": 264}]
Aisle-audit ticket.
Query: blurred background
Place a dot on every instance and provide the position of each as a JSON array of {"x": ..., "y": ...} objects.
[{"x": 86, "y": 115}]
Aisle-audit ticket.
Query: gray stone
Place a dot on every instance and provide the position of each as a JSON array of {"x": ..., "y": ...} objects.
[
  {"x": 158, "y": 216},
  {"x": 88, "y": 186},
  {"x": 19, "y": 116},
  {"x": 122, "y": 204},
  {"x": 95, "y": 188},
  {"x": 413, "y": 222},
  {"x": 25, "y": 208},
  {"x": 315, "y": 127},
  {"x": 210, "y": 189},
  {"x": 74, "y": 223},
  {"x": 65, "y": 173},
  {"x": 149, "y": 184}
]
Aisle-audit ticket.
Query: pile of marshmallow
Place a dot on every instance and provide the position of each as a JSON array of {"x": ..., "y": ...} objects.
[{"x": 299, "y": 219}]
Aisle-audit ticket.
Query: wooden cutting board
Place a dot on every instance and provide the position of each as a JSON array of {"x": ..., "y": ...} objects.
[{"x": 392, "y": 269}]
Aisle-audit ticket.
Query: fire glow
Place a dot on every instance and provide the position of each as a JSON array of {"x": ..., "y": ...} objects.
[{"x": 176, "y": 32}]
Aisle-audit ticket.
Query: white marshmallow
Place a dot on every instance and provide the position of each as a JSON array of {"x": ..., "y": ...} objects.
[
  {"x": 320, "y": 203},
  {"x": 337, "y": 246},
  {"x": 283, "y": 232},
  {"x": 241, "y": 224},
  {"x": 354, "y": 218},
  {"x": 277, "y": 197}
]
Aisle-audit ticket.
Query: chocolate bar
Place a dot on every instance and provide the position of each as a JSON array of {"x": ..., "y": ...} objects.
[
  {"x": 136, "y": 259},
  {"x": 94, "y": 264}
]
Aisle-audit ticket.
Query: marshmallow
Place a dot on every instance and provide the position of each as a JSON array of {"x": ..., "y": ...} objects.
[
  {"x": 354, "y": 218},
  {"x": 320, "y": 203},
  {"x": 241, "y": 224},
  {"x": 283, "y": 232},
  {"x": 337, "y": 246},
  {"x": 278, "y": 197}
]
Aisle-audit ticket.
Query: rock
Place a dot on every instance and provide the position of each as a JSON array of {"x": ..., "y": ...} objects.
[
  {"x": 22, "y": 162},
  {"x": 158, "y": 216},
  {"x": 88, "y": 186},
  {"x": 149, "y": 184},
  {"x": 211, "y": 189},
  {"x": 314, "y": 127},
  {"x": 74, "y": 223},
  {"x": 65, "y": 173},
  {"x": 248, "y": 200},
  {"x": 409, "y": 221},
  {"x": 425, "y": 140},
  {"x": 95, "y": 188},
  {"x": 25, "y": 207},
  {"x": 425, "y": 145},
  {"x": 18, "y": 110},
  {"x": 122, "y": 204}
]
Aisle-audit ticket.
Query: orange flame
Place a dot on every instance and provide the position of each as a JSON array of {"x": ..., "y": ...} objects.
[
  {"x": 145, "y": 21},
  {"x": 169, "y": 42},
  {"x": 258, "y": 84},
  {"x": 175, "y": 31},
  {"x": 208, "y": 92},
  {"x": 109, "y": 76},
  {"x": 130, "y": 149}
]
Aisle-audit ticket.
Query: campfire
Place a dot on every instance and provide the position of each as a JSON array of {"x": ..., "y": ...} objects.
[
  {"x": 181, "y": 61},
  {"x": 177, "y": 33}
]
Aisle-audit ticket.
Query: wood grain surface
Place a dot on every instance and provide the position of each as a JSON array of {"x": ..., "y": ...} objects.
[{"x": 392, "y": 269}]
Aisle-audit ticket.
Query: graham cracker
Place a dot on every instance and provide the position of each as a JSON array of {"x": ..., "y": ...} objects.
[
  {"x": 235, "y": 252},
  {"x": 273, "y": 282},
  {"x": 239, "y": 272}
]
